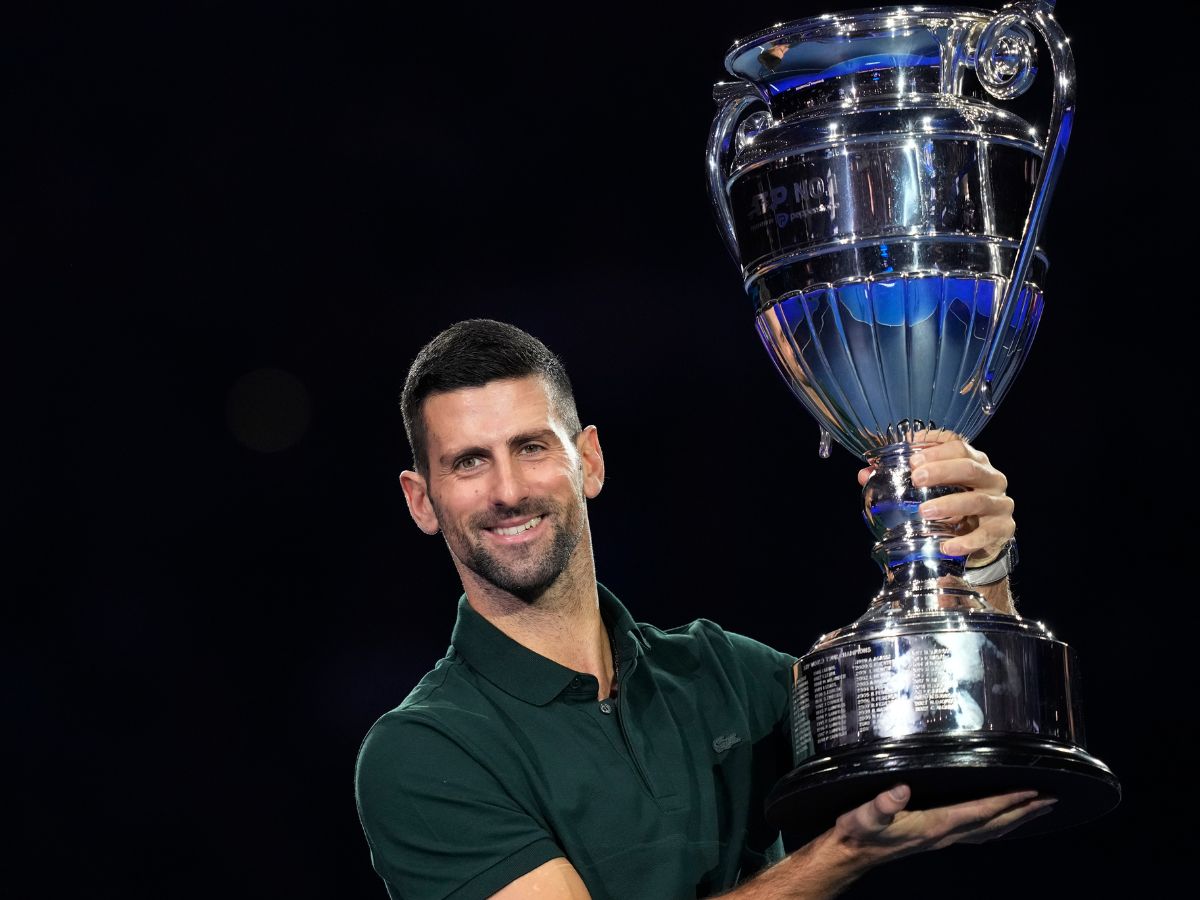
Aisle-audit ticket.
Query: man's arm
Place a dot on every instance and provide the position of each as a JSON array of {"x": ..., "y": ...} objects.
[
  {"x": 555, "y": 880},
  {"x": 438, "y": 820},
  {"x": 874, "y": 833}
]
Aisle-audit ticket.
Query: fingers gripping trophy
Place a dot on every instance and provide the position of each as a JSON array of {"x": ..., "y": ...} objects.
[{"x": 885, "y": 212}]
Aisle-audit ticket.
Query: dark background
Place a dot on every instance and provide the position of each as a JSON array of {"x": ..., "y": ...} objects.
[{"x": 235, "y": 225}]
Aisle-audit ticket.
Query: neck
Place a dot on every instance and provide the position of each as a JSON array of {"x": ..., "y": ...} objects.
[{"x": 562, "y": 624}]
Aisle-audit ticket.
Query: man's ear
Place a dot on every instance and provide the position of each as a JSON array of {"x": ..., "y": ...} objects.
[
  {"x": 416, "y": 494},
  {"x": 591, "y": 457}
]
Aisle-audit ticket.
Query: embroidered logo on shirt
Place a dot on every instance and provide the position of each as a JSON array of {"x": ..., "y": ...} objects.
[{"x": 725, "y": 741}]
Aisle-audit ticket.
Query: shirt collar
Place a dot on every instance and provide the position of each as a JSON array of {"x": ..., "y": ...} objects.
[{"x": 529, "y": 676}]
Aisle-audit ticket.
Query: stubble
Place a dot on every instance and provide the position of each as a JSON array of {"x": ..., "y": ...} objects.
[{"x": 525, "y": 572}]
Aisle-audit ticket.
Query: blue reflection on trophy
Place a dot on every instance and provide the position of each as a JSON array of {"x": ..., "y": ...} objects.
[{"x": 885, "y": 209}]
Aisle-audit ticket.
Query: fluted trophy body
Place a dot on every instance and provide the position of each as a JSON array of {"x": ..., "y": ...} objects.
[{"x": 884, "y": 209}]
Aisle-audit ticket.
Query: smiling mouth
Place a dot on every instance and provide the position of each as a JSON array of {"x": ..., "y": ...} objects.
[{"x": 517, "y": 529}]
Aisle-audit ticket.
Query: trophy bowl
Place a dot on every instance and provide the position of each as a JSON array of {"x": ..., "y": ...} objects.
[{"x": 885, "y": 212}]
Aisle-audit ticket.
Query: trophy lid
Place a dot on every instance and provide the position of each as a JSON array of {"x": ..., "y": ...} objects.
[{"x": 906, "y": 46}]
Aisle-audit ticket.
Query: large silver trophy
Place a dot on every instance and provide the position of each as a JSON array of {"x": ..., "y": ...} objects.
[{"x": 885, "y": 214}]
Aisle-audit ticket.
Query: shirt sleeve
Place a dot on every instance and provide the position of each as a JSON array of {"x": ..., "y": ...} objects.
[
  {"x": 769, "y": 674},
  {"x": 438, "y": 821}
]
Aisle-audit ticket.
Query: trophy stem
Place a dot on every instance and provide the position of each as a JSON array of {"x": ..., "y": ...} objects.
[{"x": 918, "y": 575}]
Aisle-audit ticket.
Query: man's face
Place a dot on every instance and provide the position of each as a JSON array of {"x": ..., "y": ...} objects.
[{"x": 506, "y": 483}]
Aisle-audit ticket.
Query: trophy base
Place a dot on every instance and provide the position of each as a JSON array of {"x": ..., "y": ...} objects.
[{"x": 941, "y": 772}]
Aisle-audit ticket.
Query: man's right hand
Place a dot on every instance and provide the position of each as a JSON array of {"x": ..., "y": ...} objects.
[{"x": 882, "y": 830}]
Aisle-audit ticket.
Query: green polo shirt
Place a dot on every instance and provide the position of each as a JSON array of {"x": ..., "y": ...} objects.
[{"x": 501, "y": 760}]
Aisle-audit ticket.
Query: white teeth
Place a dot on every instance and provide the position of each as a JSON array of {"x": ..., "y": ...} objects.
[{"x": 517, "y": 529}]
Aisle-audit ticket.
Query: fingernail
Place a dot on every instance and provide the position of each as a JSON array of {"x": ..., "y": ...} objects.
[
  {"x": 899, "y": 792},
  {"x": 920, "y": 476},
  {"x": 950, "y": 549},
  {"x": 930, "y": 510},
  {"x": 917, "y": 459}
]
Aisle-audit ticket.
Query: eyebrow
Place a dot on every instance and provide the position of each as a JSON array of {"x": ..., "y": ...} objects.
[{"x": 541, "y": 434}]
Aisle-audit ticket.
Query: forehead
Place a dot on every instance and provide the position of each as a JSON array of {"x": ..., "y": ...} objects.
[{"x": 490, "y": 413}]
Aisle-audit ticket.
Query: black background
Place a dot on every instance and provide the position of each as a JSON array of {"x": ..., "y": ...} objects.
[{"x": 240, "y": 222}]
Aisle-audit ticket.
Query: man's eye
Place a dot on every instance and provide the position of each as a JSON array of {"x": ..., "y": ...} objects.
[
  {"x": 530, "y": 449},
  {"x": 468, "y": 462}
]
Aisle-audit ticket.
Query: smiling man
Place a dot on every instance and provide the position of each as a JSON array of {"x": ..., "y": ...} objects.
[{"x": 561, "y": 750}]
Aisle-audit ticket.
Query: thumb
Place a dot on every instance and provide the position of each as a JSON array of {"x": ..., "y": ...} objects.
[
  {"x": 874, "y": 816},
  {"x": 886, "y": 805}
]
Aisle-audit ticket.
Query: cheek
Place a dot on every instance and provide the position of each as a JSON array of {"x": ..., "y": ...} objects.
[
  {"x": 455, "y": 504},
  {"x": 564, "y": 477}
]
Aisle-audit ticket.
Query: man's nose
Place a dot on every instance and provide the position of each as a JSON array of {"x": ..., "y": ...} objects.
[{"x": 508, "y": 486}]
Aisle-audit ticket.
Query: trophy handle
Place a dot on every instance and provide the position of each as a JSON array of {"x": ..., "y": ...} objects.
[
  {"x": 994, "y": 67},
  {"x": 735, "y": 98}
]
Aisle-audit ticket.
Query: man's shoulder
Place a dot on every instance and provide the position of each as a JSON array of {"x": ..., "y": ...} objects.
[
  {"x": 432, "y": 784},
  {"x": 704, "y": 636},
  {"x": 742, "y": 670},
  {"x": 446, "y": 693},
  {"x": 439, "y": 717}
]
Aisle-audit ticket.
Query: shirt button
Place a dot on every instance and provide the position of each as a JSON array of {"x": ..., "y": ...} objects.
[
  {"x": 606, "y": 707},
  {"x": 575, "y": 682}
]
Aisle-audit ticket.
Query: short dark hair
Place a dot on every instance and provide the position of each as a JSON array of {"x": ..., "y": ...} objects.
[{"x": 473, "y": 353}]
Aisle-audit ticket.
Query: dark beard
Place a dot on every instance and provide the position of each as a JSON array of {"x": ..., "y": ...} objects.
[{"x": 527, "y": 585}]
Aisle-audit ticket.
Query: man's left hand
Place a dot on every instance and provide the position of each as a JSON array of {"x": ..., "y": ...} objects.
[{"x": 982, "y": 515}]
